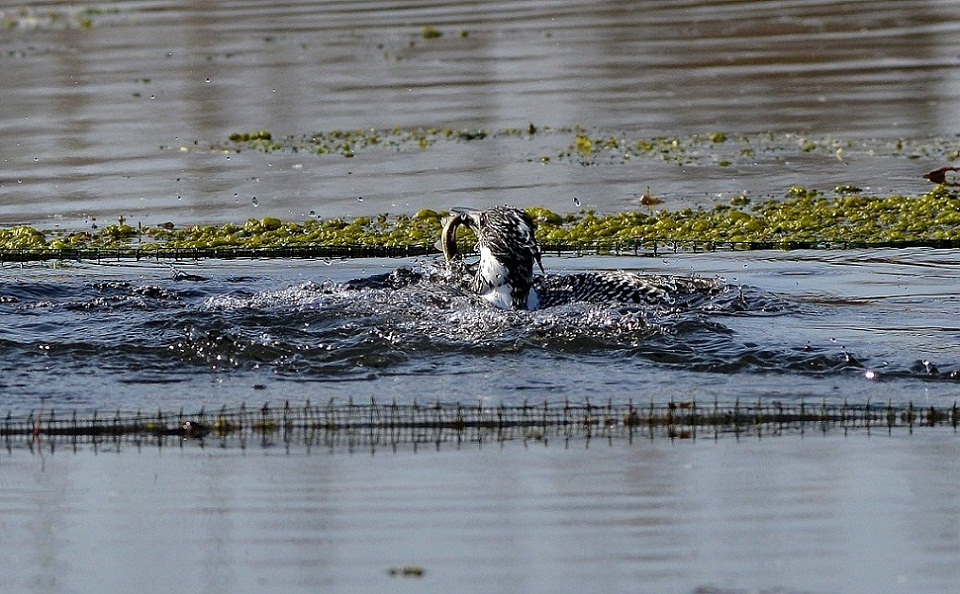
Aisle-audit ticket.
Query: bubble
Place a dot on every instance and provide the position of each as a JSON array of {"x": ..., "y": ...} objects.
[
  {"x": 359, "y": 198},
  {"x": 207, "y": 79},
  {"x": 255, "y": 202},
  {"x": 576, "y": 201}
]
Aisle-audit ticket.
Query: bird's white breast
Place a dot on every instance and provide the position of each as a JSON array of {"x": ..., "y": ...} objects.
[{"x": 494, "y": 282}]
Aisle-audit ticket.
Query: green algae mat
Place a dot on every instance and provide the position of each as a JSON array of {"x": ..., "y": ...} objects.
[{"x": 801, "y": 219}]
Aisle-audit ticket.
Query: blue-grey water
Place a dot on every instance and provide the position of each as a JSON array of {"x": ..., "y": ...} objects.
[
  {"x": 821, "y": 513},
  {"x": 125, "y": 110},
  {"x": 130, "y": 117},
  {"x": 862, "y": 325}
]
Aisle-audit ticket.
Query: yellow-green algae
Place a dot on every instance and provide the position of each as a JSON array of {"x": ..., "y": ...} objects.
[
  {"x": 588, "y": 147},
  {"x": 348, "y": 142},
  {"x": 802, "y": 218},
  {"x": 29, "y": 18}
]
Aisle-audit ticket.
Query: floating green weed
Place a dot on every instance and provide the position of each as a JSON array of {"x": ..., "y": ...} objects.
[
  {"x": 28, "y": 18},
  {"x": 430, "y": 32},
  {"x": 349, "y": 142},
  {"x": 591, "y": 147},
  {"x": 801, "y": 217}
]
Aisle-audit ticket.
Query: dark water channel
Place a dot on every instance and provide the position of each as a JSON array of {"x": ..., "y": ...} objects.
[
  {"x": 865, "y": 325},
  {"x": 125, "y": 109}
]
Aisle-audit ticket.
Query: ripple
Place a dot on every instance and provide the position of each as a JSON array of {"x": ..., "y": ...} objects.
[{"x": 122, "y": 335}]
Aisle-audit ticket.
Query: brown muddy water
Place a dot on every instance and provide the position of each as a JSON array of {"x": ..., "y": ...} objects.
[{"x": 125, "y": 109}]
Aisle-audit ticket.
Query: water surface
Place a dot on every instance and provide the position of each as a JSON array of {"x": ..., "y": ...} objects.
[
  {"x": 125, "y": 110},
  {"x": 124, "y": 117},
  {"x": 822, "y": 513},
  {"x": 864, "y": 325}
]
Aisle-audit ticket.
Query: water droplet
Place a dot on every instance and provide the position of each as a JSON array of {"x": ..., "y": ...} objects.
[
  {"x": 36, "y": 159},
  {"x": 179, "y": 197},
  {"x": 359, "y": 198},
  {"x": 19, "y": 181},
  {"x": 255, "y": 202},
  {"x": 576, "y": 201},
  {"x": 312, "y": 213},
  {"x": 207, "y": 79},
  {"x": 153, "y": 96}
]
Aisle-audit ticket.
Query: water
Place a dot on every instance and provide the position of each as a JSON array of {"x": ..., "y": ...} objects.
[
  {"x": 127, "y": 111},
  {"x": 862, "y": 325},
  {"x": 823, "y": 513},
  {"x": 120, "y": 119}
]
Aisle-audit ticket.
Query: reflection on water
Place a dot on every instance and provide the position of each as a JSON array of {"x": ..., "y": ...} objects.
[
  {"x": 823, "y": 513},
  {"x": 117, "y": 119}
]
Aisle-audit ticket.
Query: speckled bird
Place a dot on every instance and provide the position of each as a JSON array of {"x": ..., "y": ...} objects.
[
  {"x": 508, "y": 251},
  {"x": 505, "y": 275}
]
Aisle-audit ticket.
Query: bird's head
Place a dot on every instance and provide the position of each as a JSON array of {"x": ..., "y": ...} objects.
[{"x": 508, "y": 251}]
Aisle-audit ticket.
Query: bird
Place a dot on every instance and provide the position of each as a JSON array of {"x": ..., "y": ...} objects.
[
  {"x": 504, "y": 275},
  {"x": 939, "y": 176},
  {"x": 647, "y": 199}
]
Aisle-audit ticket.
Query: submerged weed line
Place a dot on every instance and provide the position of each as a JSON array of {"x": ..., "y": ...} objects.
[
  {"x": 651, "y": 247},
  {"x": 385, "y": 424},
  {"x": 225, "y": 253}
]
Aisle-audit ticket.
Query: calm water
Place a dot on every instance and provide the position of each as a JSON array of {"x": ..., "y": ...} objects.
[
  {"x": 814, "y": 514},
  {"x": 126, "y": 111},
  {"x": 119, "y": 119}
]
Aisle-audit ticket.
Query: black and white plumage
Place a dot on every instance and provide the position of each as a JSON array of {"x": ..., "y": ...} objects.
[
  {"x": 504, "y": 274},
  {"x": 508, "y": 251}
]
